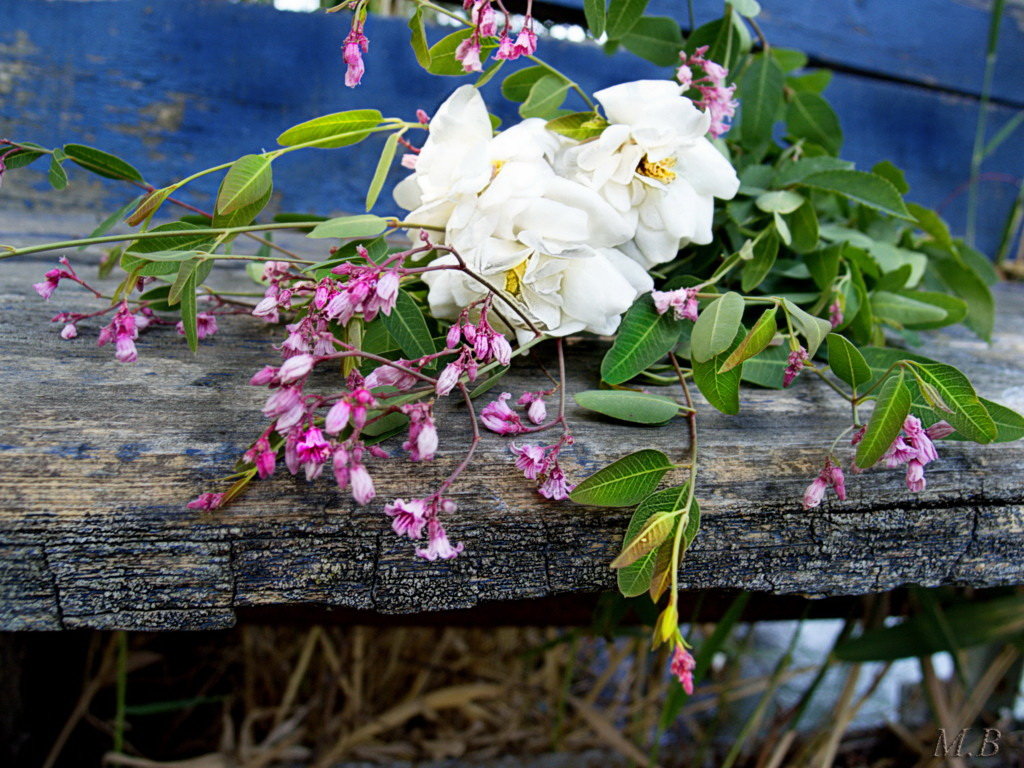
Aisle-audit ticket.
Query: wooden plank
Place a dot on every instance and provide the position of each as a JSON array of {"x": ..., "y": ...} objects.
[
  {"x": 182, "y": 89},
  {"x": 98, "y": 459}
]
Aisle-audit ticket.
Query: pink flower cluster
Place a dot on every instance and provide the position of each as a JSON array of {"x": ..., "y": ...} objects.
[
  {"x": 485, "y": 24},
  {"x": 682, "y": 666},
  {"x": 540, "y": 462},
  {"x": 53, "y": 277},
  {"x": 277, "y": 296},
  {"x": 795, "y": 364},
  {"x": 122, "y": 331},
  {"x": 682, "y": 301},
  {"x": 369, "y": 290},
  {"x": 716, "y": 98},
  {"x": 352, "y": 50},
  {"x": 831, "y": 476},
  {"x": 482, "y": 344},
  {"x": 915, "y": 448},
  {"x": 409, "y": 518}
]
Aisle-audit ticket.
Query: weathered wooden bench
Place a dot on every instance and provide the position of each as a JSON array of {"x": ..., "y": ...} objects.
[{"x": 98, "y": 459}]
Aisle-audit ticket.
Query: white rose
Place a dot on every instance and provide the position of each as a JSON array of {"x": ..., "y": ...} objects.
[
  {"x": 545, "y": 243},
  {"x": 654, "y": 165}
]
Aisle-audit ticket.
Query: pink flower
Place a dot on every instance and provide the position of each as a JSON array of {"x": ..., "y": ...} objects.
[
  {"x": 835, "y": 313},
  {"x": 498, "y": 417},
  {"x": 407, "y": 517},
  {"x": 337, "y": 418},
  {"x": 831, "y": 475},
  {"x": 69, "y": 331},
  {"x": 263, "y": 457},
  {"x": 531, "y": 460},
  {"x": 295, "y": 368},
  {"x": 368, "y": 291},
  {"x": 536, "y": 410},
  {"x": 915, "y": 448},
  {"x": 349, "y": 469},
  {"x": 422, "y": 117},
  {"x": 468, "y": 54},
  {"x": 716, "y": 98},
  {"x": 682, "y": 666},
  {"x": 122, "y": 331},
  {"x": 464, "y": 364},
  {"x": 506, "y": 48},
  {"x": 555, "y": 486},
  {"x": 390, "y": 376},
  {"x": 422, "y": 442},
  {"x": 796, "y": 361},
  {"x": 526, "y": 42},
  {"x": 266, "y": 375},
  {"x": 287, "y": 406},
  {"x": 362, "y": 484},
  {"x": 682, "y": 301},
  {"x": 438, "y": 545},
  {"x": 354, "y": 47},
  {"x": 313, "y": 452},
  {"x": 207, "y": 501},
  {"x": 206, "y": 325}
]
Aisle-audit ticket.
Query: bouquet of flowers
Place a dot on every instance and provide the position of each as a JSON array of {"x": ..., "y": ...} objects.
[{"x": 704, "y": 221}]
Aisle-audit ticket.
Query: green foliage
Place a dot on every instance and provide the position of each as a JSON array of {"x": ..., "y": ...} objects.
[
  {"x": 716, "y": 327},
  {"x": 408, "y": 328},
  {"x": 886, "y": 421},
  {"x": 627, "y": 405},
  {"x": 248, "y": 179},
  {"x": 331, "y": 131},
  {"x": 674, "y": 506},
  {"x": 847, "y": 362},
  {"x": 643, "y": 338},
  {"x": 624, "y": 482},
  {"x": 363, "y": 225}
]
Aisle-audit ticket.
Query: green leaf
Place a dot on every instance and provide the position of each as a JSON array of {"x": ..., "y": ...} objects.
[
  {"x": 56, "y": 175},
  {"x": 108, "y": 223},
  {"x": 418, "y": 38},
  {"x": 779, "y": 201},
  {"x": 903, "y": 311},
  {"x": 546, "y": 96},
  {"x": 241, "y": 217},
  {"x": 578, "y": 126},
  {"x": 748, "y": 8},
  {"x": 624, "y": 482},
  {"x": 931, "y": 223},
  {"x": 408, "y": 327},
  {"x": 886, "y": 421},
  {"x": 635, "y": 579},
  {"x": 955, "y": 309},
  {"x": 895, "y": 176},
  {"x": 788, "y": 59},
  {"x": 759, "y": 337},
  {"x": 971, "y": 623},
  {"x": 1009, "y": 423},
  {"x": 722, "y": 390},
  {"x": 186, "y": 271},
  {"x": 860, "y": 187},
  {"x": 716, "y": 327},
  {"x": 809, "y": 116},
  {"x": 847, "y": 362},
  {"x": 246, "y": 181},
  {"x": 163, "y": 247},
  {"x": 102, "y": 163},
  {"x": 442, "y": 53},
  {"x": 188, "y": 312},
  {"x": 622, "y": 17},
  {"x": 19, "y": 158},
  {"x": 796, "y": 171},
  {"x": 815, "y": 81},
  {"x": 768, "y": 368},
  {"x": 387, "y": 156},
  {"x": 594, "y": 11},
  {"x": 644, "y": 337},
  {"x": 726, "y": 39},
  {"x": 489, "y": 383},
  {"x": 654, "y": 531},
  {"x": 516, "y": 87},
  {"x": 330, "y": 131},
  {"x": 968, "y": 415},
  {"x": 766, "y": 250},
  {"x": 761, "y": 94},
  {"x": 363, "y": 225},
  {"x": 626, "y": 405},
  {"x": 813, "y": 329},
  {"x": 965, "y": 283},
  {"x": 657, "y": 39},
  {"x": 824, "y": 266},
  {"x": 149, "y": 205}
]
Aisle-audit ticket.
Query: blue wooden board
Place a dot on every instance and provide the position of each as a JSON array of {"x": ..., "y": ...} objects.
[
  {"x": 933, "y": 42},
  {"x": 177, "y": 87}
]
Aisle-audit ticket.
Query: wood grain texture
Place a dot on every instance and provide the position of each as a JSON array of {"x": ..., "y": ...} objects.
[
  {"x": 181, "y": 86},
  {"x": 98, "y": 459}
]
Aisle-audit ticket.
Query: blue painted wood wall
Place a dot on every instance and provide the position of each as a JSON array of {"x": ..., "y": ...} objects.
[{"x": 183, "y": 85}]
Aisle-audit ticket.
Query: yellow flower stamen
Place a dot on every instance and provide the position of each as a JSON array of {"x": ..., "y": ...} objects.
[
  {"x": 659, "y": 171},
  {"x": 514, "y": 279}
]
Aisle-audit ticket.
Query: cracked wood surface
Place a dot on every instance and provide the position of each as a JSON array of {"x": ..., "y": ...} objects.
[{"x": 98, "y": 459}]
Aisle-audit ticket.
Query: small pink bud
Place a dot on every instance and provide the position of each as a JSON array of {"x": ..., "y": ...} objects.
[{"x": 295, "y": 368}]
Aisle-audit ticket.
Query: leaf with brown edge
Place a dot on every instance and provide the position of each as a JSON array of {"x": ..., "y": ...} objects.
[
  {"x": 753, "y": 343},
  {"x": 655, "y": 531},
  {"x": 662, "y": 571}
]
